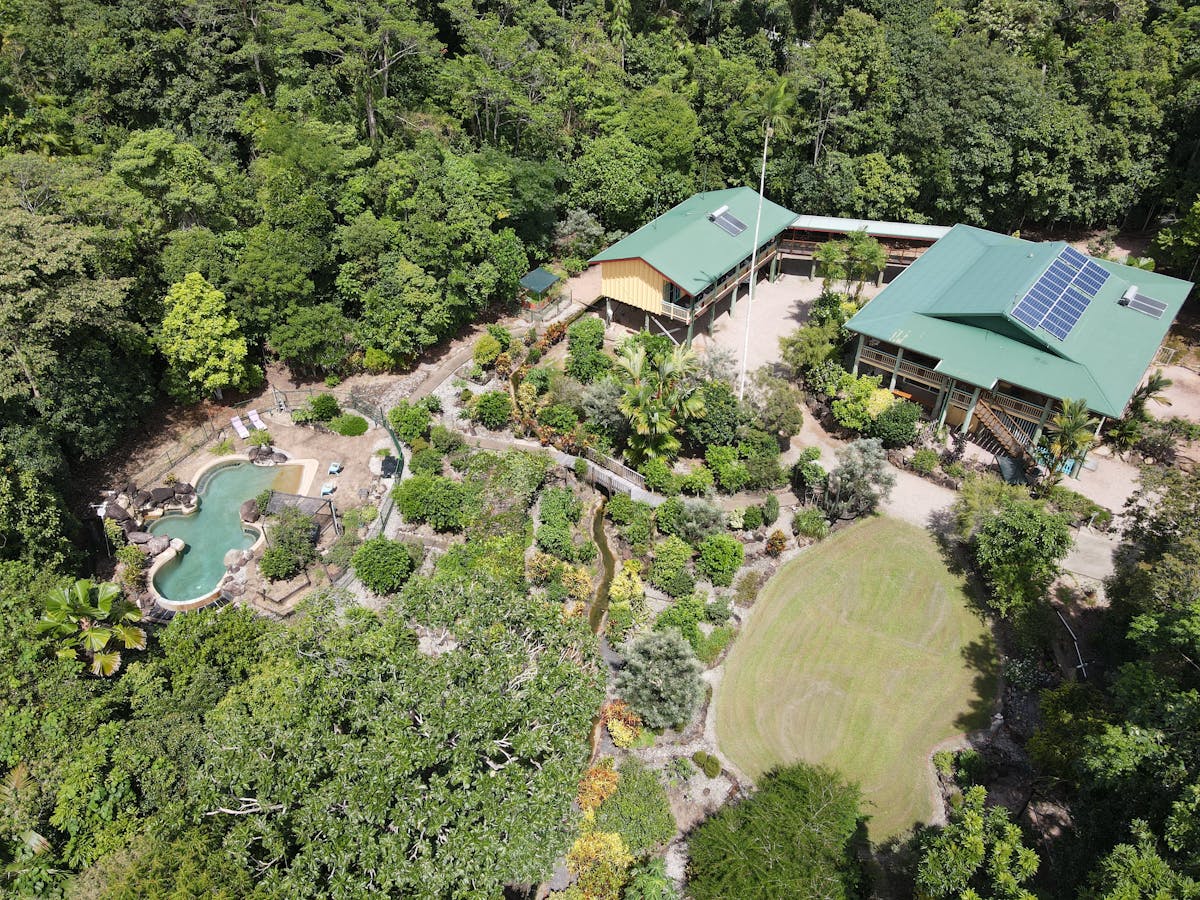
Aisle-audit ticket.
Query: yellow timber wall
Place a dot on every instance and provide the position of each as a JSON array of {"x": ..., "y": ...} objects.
[{"x": 634, "y": 282}]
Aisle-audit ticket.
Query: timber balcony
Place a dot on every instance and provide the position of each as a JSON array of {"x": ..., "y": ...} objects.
[
  {"x": 898, "y": 255},
  {"x": 1011, "y": 407},
  {"x": 720, "y": 289}
]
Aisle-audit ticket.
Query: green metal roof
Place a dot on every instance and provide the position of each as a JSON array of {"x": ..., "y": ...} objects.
[
  {"x": 954, "y": 304},
  {"x": 692, "y": 251},
  {"x": 539, "y": 280}
]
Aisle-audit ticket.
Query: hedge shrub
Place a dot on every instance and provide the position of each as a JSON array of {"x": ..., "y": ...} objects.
[
  {"x": 896, "y": 426},
  {"x": 409, "y": 421},
  {"x": 382, "y": 565},
  {"x": 446, "y": 441},
  {"x": 707, "y": 763},
  {"x": 432, "y": 499},
  {"x": 671, "y": 557},
  {"x": 493, "y": 410},
  {"x": 324, "y": 407},
  {"x": 485, "y": 351},
  {"x": 720, "y": 557},
  {"x": 810, "y": 522},
  {"x": 349, "y": 425},
  {"x": 638, "y": 810}
]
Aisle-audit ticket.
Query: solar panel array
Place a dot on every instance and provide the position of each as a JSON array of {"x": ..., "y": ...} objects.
[
  {"x": 730, "y": 223},
  {"x": 1147, "y": 305},
  {"x": 1059, "y": 297}
]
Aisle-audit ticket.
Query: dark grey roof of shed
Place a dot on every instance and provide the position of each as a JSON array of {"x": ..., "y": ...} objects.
[{"x": 539, "y": 280}]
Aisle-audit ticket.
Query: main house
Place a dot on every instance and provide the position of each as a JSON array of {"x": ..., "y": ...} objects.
[
  {"x": 696, "y": 256},
  {"x": 992, "y": 331}
]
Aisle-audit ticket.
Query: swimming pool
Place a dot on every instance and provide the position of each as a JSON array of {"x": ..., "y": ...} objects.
[{"x": 216, "y": 526}]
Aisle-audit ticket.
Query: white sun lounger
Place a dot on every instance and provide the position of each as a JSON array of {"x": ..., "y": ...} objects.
[
  {"x": 240, "y": 427},
  {"x": 256, "y": 420}
]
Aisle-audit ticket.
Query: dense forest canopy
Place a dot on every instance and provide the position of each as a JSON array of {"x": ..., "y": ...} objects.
[
  {"x": 341, "y": 184},
  {"x": 358, "y": 179}
]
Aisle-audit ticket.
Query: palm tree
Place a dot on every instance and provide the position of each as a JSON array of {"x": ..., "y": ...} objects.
[
  {"x": 865, "y": 258},
  {"x": 833, "y": 262},
  {"x": 618, "y": 27},
  {"x": 657, "y": 399},
  {"x": 21, "y": 844},
  {"x": 93, "y": 622},
  {"x": 1153, "y": 389},
  {"x": 1071, "y": 432},
  {"x": 771, "y": 105}
]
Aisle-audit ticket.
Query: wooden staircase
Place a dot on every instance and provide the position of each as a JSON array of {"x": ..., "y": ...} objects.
[{"x": 1014, "y": 441}]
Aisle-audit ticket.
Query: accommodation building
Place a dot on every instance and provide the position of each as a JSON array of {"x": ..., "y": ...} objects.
[
  {"x": 992, "y": 331},
  {"x": 696, "y": 256}
]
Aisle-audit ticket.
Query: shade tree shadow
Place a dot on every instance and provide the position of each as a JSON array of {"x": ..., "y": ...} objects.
[{"x": 984, "y": 661}]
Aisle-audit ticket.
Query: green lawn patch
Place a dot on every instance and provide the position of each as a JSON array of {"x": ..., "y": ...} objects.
[{"x": 861, "y": 654}]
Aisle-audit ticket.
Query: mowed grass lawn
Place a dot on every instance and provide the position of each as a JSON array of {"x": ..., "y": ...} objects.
[{"x": 861, "y": 654}]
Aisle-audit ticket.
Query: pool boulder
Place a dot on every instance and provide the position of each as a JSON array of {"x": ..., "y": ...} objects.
[
  {"x": 139, "y": 537},
  {"x": 157, "y": 545},
  {"x": 116, "y": 512},
  {"x": 183, "y": 489},
  {"x": 162, "y": 494},
  {"x": 249, "y": 511}
]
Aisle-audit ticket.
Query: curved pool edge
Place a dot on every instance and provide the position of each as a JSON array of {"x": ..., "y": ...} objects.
[
  {"x": 204, "y": 599},
  {"x": 307, "y": 477}
]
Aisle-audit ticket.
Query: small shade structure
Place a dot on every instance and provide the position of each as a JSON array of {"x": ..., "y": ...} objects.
[{"x": 539, "y": 282}]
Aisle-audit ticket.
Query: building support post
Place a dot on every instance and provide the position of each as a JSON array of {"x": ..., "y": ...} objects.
[
  {"x": 1037, "y": 432},
  {"x": 775, "y": 267},
  {"x": 712, "y": 317},
  {"x": 896, "y": 368},
  {"x": 966, "y": 425},
  {"x": 691, "y": 323},
  {"x": 647, "y": 325},
  {"x": 879, "y": 276},
  {"x": 941, "y": 403},
  {"x": 608, "y": 312},
  {"x": 857, "y": 353}
]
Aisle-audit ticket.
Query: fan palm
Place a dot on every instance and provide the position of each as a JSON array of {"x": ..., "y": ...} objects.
[
  {"x": 93, "y": 622},
  {"x": 658, "y": 399}
]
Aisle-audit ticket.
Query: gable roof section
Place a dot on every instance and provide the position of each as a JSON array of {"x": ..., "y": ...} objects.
[
  {"x": 839, "y": 225},
  {"x": 692, "y": 251},
  {"x": 955, "y": 304}
]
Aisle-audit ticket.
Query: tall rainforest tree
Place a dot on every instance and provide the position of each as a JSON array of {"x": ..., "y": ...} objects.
[
  {"x": 657, "y": 400},
  {"x": 205, "y": 350}
]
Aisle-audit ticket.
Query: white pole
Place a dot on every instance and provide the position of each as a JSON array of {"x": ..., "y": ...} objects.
[{"x": 762, "y": 184}]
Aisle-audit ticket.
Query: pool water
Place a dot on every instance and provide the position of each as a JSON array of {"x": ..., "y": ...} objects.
[{"x": 216, "y": 527}]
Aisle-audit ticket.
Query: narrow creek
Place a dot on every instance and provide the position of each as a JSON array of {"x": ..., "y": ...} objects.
[
  {"x": 599, "y": 605},
  {"x": 598, "y": 610}
]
